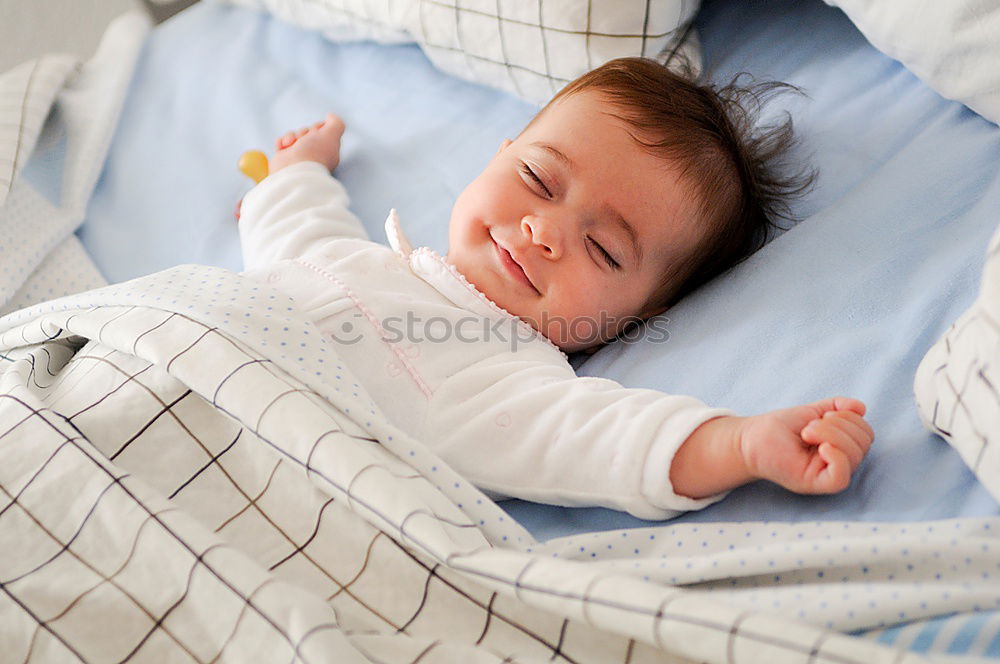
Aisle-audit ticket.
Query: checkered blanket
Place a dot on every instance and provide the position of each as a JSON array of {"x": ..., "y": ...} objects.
[
  {"x": 175, "y": 488},
  {"x": 956, "y": 383}
]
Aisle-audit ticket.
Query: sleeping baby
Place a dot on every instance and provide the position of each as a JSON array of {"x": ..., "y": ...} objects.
[{"x": 632, "y": 187}]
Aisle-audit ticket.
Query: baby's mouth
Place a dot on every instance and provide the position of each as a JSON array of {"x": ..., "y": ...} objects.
[{"x": 512, "y": 267}]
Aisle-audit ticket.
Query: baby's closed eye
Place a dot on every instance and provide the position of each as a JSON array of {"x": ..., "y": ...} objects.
[
  {"x": 535, "y": 182},
  {"x": 608, "y": 258}
]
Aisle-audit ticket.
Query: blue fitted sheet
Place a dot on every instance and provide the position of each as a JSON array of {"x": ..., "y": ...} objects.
[{"x": 846, "y": 302}]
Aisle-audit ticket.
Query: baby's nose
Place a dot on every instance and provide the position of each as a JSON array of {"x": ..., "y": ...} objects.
[{"x": 544, "y": 233}]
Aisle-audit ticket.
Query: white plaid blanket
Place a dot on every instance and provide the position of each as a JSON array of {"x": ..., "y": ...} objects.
[{"x": 175, "y": 488}]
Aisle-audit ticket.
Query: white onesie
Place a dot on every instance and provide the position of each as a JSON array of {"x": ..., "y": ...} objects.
[{"x": 493, "y": 397}]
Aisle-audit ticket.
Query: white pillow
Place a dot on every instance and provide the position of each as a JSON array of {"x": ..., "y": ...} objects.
[
  {"x": 531, "y": 48},
  {"x": 957, "y": 385},
  {"x": 952, "y": 45}
]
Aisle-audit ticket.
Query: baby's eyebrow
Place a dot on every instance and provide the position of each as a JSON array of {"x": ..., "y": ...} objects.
[{"x": 555, "y": 152}]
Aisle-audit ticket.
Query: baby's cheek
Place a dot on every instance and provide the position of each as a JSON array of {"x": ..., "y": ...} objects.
[{"x": 572, "y": 330}]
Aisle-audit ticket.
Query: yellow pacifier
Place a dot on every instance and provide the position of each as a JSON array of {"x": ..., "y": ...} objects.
[{"x": 253, "y": 164}]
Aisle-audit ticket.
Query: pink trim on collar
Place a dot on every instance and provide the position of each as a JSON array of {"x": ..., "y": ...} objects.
[{"x": 427, "y": 251}]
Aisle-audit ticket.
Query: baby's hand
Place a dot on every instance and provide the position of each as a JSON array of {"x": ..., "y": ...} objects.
[
  {"x": 808, "y": 449},
  {"x": 320, "y": 143}
]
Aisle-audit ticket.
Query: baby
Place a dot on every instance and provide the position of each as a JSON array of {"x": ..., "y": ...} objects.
[{"x": 633, "y": 186}]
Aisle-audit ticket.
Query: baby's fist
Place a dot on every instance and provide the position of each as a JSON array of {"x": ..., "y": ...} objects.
[
  {"x": 320, "y": 143},
  {"x": 810, "y": 449}
]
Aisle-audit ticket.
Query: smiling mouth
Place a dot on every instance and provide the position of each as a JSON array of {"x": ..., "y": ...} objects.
[{"x": 512, "y": 267}]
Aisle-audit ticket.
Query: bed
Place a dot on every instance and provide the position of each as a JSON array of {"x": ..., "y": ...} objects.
[{"x": 368, "y": 548}]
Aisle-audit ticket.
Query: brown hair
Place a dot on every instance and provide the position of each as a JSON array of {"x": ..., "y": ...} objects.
[{"x": 711, "y": 133}]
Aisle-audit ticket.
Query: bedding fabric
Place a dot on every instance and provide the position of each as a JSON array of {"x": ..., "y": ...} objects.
[
  {"x": 956, "y": 382},
  {"x": 44, "y": 259},
  {"x": 528, "y": 48},
  {"x": 952, "y": 46},
  {"x": 212, "y": 497}
]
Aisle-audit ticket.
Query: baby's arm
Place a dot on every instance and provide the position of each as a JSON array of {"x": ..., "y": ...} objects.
[
  {"x": 299, "y": 206},
  {"x": 524, "y": 425},
  {"x": 807, "y": 449}
]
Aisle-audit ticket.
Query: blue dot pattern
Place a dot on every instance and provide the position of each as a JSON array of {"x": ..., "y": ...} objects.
[{"x": 847, "y": 576}]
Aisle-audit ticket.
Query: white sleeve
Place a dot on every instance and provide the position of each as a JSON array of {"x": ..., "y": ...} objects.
[
  {"x": 292, "y": 211},
  {"x": 534, "y": 430}
]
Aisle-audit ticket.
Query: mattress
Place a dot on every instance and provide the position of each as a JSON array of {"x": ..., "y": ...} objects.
[{"x": 847, "y": 301}]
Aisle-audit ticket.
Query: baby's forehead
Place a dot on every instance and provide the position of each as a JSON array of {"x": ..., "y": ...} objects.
[
  {"x": 591, "y": 105},
  {"x": 598, "y": 135},
  {"x": 589, "y": 115}
]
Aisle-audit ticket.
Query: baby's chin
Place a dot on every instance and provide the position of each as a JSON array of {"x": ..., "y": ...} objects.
[
  {"x": 529, "y": 317},
  {"x": 498, "y": 295}
]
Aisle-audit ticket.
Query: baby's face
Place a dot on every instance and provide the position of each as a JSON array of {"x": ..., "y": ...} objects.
[{"x": 573, "y": 225}]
